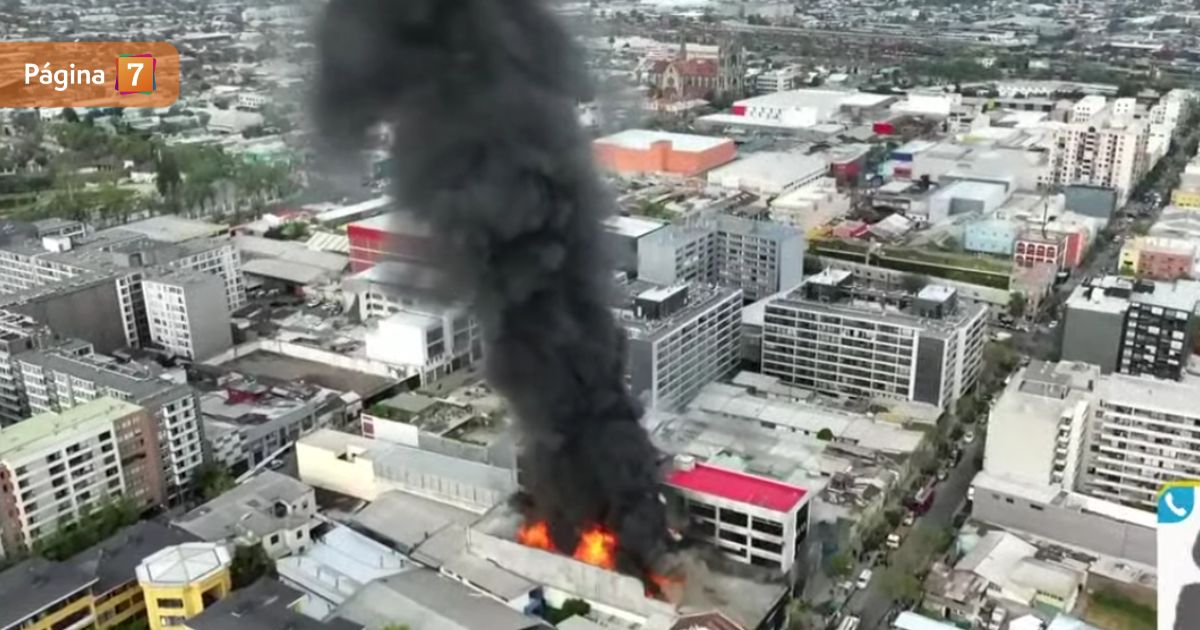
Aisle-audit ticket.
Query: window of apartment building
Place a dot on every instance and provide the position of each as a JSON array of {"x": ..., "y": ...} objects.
[
  {"x": 766, "y": 527},
  {"x": 169, "y": 602},
  {"x": 171, "y": 620},
  {"x": 732, "y": 536},
  {"x": 734, "y": 517},
  {"x": 766, "y": 545},
  {"x": 274, "y": 539}
]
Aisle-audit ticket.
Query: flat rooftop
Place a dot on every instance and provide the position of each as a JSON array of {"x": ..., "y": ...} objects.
[
  {"x": 286, "y": 368},
  {"x": 249, "y": 506},
  {"x": 632, "y": 227},
  {"x": 737, "y": 486},
  {"x": 174, "y": 229},
  {"x": 1113, "y": 294},
  {"x": 45, "y": 430},
  {"x": 642, "y": 139},
  {"x": 36, "y": 583}
]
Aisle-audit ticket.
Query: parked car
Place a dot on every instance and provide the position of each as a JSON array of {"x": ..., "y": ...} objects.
[
  {"x": 969, "y": 437},
  {"x": 864, "y": 579}
]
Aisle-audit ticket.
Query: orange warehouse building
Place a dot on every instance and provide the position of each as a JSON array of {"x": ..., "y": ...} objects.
[{"x": 640, "y": 151}]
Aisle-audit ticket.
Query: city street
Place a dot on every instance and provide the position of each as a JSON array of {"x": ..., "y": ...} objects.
[{"x": 873, "y": 605}]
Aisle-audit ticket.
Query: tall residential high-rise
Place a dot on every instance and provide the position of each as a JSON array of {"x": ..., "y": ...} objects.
[
  {"x": 680, "y": 338},
  {"x": 70, "y": 374},
  {"x": 1143, "y": 433},
  {"x": 120, "y": 257},
  {"x": 18, "y": 333},
  {"x": 1132, "y": 326},
  {"x": 1104, "y": 145},
  {"x": 57, "y": 466},
  {"x": 187, "y": 314},
  {"x": 837, "y": 335},
  {"x": 1079, "y": 457},
  {"x": 759, "y": 257}
]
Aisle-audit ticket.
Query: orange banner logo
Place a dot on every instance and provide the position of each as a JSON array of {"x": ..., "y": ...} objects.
[{"x": 88, "y": 74}]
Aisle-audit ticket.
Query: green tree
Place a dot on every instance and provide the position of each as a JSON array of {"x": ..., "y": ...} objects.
[
  {"x": 1017, "y": 302},
  {"x": 168, "y": 177},
  {"x": 214, "y": 480},
  {"x": 94, "y": 524},
  {"x": 395, "y": 626},
  {"x": 69, "y": 115},
  {"x": 570, "y": 608},
  {"x": 898, "y": 583},
  {"x": 250, "y": 563},
  {"x": 825, "y": 434},
  {"x": 841, "y": 565}
]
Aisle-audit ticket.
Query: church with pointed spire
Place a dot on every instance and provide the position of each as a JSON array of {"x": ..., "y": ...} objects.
[{"x": 704, "y": 76}]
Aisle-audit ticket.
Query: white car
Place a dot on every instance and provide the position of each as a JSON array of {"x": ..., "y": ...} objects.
[
  {"x": 864, "y": 579},
  {"x": 969, "y": 437}
]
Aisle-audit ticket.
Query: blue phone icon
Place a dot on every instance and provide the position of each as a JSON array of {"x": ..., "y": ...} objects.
[{"x": 1176, "y": 504}]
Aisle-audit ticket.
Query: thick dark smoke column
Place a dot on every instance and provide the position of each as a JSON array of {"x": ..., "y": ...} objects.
[{"x": 488, "y": 151}]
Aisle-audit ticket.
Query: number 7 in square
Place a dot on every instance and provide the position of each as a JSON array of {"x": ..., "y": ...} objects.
[{"x": 135, "y": 74}]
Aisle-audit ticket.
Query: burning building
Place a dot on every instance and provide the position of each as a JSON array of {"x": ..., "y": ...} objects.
[{"x": 697, "y": 581}]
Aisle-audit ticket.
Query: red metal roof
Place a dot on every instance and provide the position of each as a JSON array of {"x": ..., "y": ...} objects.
[{"x": 738, "y": 486}]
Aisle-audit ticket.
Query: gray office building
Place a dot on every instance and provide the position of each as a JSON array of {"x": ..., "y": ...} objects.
[
  {"x": 1132, "y": 326},
  {"x": 759, "y": 257},
  {"x": 681, "y": 337},
  {"x": 837, "y": 335}
]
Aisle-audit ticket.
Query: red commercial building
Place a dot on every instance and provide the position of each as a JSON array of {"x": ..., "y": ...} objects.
[
  {"x": 1031, "y": 248},
  {"x": 395, "y": 237}
]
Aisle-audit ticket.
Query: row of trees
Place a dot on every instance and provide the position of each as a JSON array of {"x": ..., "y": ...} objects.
[
  {"x": 91, "y": 527},
  {"x": 192, "y": 178}
]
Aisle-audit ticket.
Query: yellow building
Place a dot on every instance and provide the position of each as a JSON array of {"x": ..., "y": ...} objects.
[
  {"x": 179, "y": 582},
  {"x": 96, "y": 588},
  {"x": 1127, "y": 263},
  {"x": 1186, "y": 198},
  {"x": 41, "y": 595}
]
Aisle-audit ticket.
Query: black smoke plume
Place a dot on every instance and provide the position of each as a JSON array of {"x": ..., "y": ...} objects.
[{"x": 481, "y": 96}]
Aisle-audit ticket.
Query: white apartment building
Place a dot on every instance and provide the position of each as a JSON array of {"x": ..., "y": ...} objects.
[
  {"x": 1110, "y": 155},
  {"x": 751, "y": 519},
  {"x": 18, "y": 333},
  {"x": 1144, "y": 432},
  {"x": 62, "y": 378},
  {"x": 1088, "y": 108},
  {"x": 55, "y": 467},
  {"x": 680, "y": 339},
  {"x": 759, "y": 257},
  {"x": 836, "y": 335},
  {"x": 779, "y": 80},
  {"x": 424, "y": 339},
  {"x": 187, "y": 314},
  {"x": 1037, "y": 426},
  {"x": 1078, "y": 457},
  {"x": 223, "y": 260}
]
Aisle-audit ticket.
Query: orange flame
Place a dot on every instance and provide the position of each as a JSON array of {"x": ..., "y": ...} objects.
[
  {"x": 535, "y": 535},
  {"x": 597, "y": 546}
]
